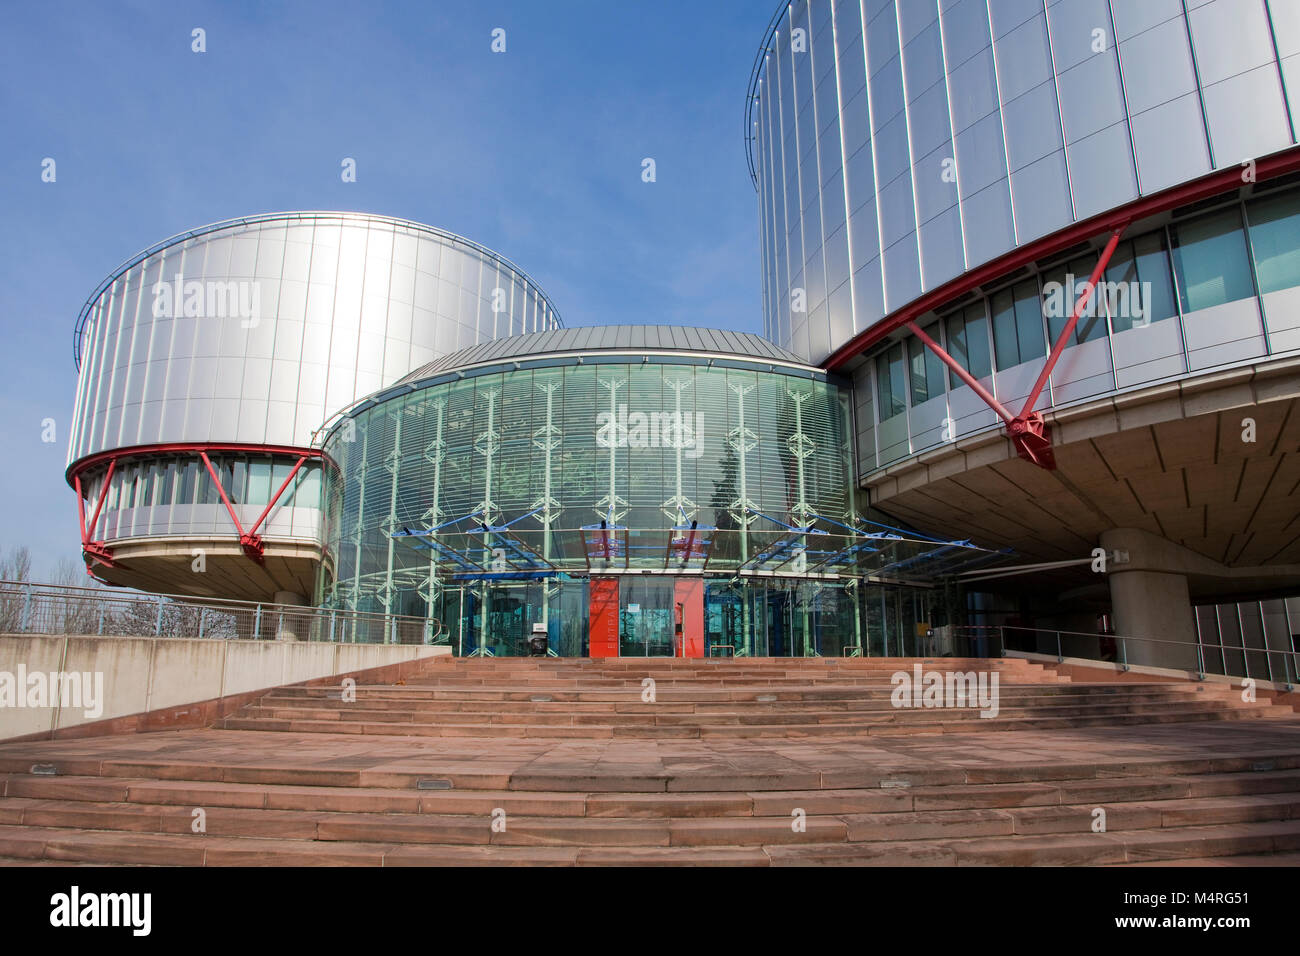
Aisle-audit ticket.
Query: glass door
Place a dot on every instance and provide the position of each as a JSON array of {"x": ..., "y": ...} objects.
[{"x": 646, "y": 617}]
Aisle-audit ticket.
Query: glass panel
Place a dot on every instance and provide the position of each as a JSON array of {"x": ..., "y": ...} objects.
[
  {"x": 1004, "y": 330},
  {"x": 1029, "y": 321},
  {"x": 926, "y": 368},
  {"x": 1210, "y": 261},
  {"x": 1275, "y": 240},
  {"x": 977, "y": 341},
  {"x": 646, "y": 617},
  {"x": 167, "y": 484},
  {"x": 889, "y": 382},
  {"x": 1018, "y": 324},
  {"x": 1141, "y": 286},
  {"x": 189, "y": 480}
]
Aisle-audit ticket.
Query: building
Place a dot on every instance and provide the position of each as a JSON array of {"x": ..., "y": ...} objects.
[
  {"x": 626, "y": 490},
  {"x": 937, "y": 182},
  {"x": 1031, "y": 293},
  {"x": 208, "y": 361}
]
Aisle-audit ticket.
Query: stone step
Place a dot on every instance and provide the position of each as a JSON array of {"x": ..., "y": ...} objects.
[
  {"x": 1177, "y": 793},
  {"x": 644, "y": 829},
  {"x": 713, "y": 773},
  {"x": 434, "y": 699},
  {"x": 651, "y": 713},
  {"x": 701, "y": 841},
  {"x": 901, "y": 721},
  {"x": 1090, "y": 849}
]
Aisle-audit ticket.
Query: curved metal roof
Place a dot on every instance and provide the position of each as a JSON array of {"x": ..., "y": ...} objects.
[
  {"x": 302, "y": 216},
  {"x": 610, "y": 338}
]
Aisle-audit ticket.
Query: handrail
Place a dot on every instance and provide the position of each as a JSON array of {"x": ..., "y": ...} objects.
[
  {"x": 1290, "y": 658},
  {"x": 751, "y": 96},
  {"x": 28, "y": 607}
]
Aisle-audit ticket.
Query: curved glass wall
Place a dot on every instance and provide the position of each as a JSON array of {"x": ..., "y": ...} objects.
[
  {"x": 716, "y": 495},
  {"x": 1209, "y": 290},
  {"x": 173, "y": 495}
]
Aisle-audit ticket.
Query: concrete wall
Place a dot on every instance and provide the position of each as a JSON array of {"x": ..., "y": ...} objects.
[{"x": 145, "y": 674}]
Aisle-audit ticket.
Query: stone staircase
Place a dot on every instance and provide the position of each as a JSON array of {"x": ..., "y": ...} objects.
[
  {"x": 751, "y": 762},
  {"x": 703, "y": 699}
]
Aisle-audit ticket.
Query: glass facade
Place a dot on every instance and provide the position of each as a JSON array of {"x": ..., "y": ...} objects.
[
  {"x": 896, "y": 144},
  {"x": 174, "y": 495},
  {"x": 1209, "y": 289},
  {"x": 706, "y": 501}
]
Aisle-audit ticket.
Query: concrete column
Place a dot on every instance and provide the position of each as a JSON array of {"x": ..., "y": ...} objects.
[
  {"x": 291, "y": 625},
  {"x": 1150, "y": 599}
]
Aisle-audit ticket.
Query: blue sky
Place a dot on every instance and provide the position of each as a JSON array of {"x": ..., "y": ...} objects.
[{"x": 535, "y": 153}]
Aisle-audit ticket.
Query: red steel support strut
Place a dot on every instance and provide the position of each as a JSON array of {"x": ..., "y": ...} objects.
[
  {"x": 250, "y": 540},
  {"x": 96, "y": 551},
  {"x": 1028, "y": 432},
  {"x": 91, "y": 548}
]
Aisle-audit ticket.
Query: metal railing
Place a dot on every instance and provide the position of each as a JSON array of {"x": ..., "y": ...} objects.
[
  {"x": 31, "y": 608},
  {"x": 1226, "y": 660}
]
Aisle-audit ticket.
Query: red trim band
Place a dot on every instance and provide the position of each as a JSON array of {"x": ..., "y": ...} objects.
[{"x": 1216, "y": 183}]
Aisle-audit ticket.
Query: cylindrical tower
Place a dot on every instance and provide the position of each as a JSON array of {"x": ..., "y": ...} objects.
[
  {"x": 1056, "y": 244},
  {"x": 208, "y": 361},
  {"x": 899, "y": 144}
]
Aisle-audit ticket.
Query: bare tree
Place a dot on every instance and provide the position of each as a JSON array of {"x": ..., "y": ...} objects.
[
  {"x": 16, "y": 568},
  {"x": 17, "y": 564},
  {"x": 79, "y": 612}
]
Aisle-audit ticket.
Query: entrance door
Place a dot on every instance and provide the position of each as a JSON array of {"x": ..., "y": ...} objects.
[
  {"x": 648, "y": 623},
  {"x": 688, "y": 617}
]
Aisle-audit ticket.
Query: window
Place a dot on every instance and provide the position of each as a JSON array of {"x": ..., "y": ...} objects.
[
  {"x": 166, "y": 483},
  {"x": 1067, "y": 283},
  {"x": 239, "y": 480},
  {"x": 259, "y": 479},
  {"x": 1275, "y": 240},
  {"x": 968, "y": 342},
  {"x": 1018, "y": 325},
  {"x": 925, "y": 367},
  {"x": 189, "y": 478},
  {"x": 148, "y": 472},
  {"x": 1210, "y": 261},
  {"x": 1142, "y": 287},
  {"x": 889, "y": 382}
]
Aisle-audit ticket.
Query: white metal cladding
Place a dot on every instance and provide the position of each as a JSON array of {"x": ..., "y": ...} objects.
[
  {"x": 1042, "y": 112},
  {"x": 345, "y": 303}
]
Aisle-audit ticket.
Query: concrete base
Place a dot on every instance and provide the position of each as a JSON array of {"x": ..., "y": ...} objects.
[{"x": 141, "y": 674}]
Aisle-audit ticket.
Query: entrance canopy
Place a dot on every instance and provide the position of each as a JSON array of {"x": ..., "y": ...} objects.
[{"x": 809, "y": 546}]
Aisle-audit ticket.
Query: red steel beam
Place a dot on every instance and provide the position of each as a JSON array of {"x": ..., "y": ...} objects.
[
  {"x": 1216, "y": 183},
  {"x": 249, "y": 540},
  {"x": 276, "y": 497},
  {"x": 1079, "y": 306},
  {"x": 103, "y": 496},
  {"x": 961, "y": 373},
  {"x": 81, "y": 509},
  {"x": 1028, "y": 431},
  {"x": 96, "y": 551},
  {"x": 222, "y": 491}
]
